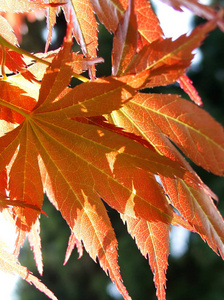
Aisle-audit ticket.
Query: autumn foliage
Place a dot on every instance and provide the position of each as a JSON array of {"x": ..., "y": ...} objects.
[{"x": 105, "y": 139}]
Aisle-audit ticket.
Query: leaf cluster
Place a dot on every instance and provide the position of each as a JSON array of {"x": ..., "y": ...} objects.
[{"x": 106, "y": 139}]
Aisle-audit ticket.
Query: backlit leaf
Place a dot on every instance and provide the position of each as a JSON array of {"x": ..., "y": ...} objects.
[
  {"x": 186, "y": 85},
  {"x": 125, "y": 41},
  {"x": 152, "y": 239},
  {"x": 101, "y": 162},
  {"x": 84, "y": 28},
  {"x": 193, "y": 130},
  {"x": 192, "y": 201},
  {"x": 197, "y": 207},
  {"x": 167, "y": 60},
  {"x": 9, "y": 264},
  {"x": 111, "y": 12}
]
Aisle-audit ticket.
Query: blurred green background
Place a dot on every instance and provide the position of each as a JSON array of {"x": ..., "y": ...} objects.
[{"x": 197, "y": 274}]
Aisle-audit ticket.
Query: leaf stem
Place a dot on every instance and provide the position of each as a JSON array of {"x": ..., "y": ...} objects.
[
  {"x": 3, "y": 63},
  {"x": 24, "y": 113},
  {"x": 4, "y": 43},
  {"x": 80, "y": 77}
]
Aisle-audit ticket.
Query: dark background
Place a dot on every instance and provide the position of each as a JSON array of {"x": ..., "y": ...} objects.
[{"x": 198, "y": 274}]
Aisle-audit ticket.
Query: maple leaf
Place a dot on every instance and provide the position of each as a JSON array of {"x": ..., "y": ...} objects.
[
  {"x": 10, "y": 264},
  {"x": 85, "y": 30},
  {"x": 125, "y": 61},
  {"x": 168, "y": 58},
  {"x": 156, "y": 130},
  {"x": 110, "y": 14},
  {"x": 198, "y": 207},
  {"x": 192, "y": 129},
  {"x": 80, "y": 14},
  {"x": 125, "y": 41},
  {"x": 47, "y": 135},
  {"x": 187, "y": 198},
  {"x": 130, "y": 118},
  {"x": 126, "y": 45},
  {"x": 33, "y": 235},
  {"x": 152, "y": 239}
]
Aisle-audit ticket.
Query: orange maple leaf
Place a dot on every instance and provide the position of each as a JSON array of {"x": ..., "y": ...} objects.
[{"x": 75, "y": 162}]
